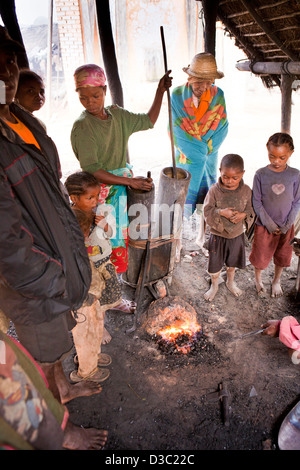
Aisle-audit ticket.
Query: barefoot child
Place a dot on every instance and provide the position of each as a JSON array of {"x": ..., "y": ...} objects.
[
  {"x": 84, "y": 189},
  {"x": 227, "y": 209},
  {"x": 276, "y": 202}
]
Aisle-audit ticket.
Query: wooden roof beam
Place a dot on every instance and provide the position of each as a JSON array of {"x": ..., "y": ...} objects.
[
  {"x": 236, "y": 15},
  {"x": 273, "y": 5},
  {"x": 250, "y": 35},
  {"x": 287, "y": 28},
  {"x": 268, "y": 30},
  {"x": 244, "y": 25},
  {"x": 270, "y": 68},
  {"x": 284, "y": 17}
]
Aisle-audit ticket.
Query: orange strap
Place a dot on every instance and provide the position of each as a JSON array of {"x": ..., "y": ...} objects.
[
  {"x": 23, "y": 131},
  {"x": 203, "y": 105}
]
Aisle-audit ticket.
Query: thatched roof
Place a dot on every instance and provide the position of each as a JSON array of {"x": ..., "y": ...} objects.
[{"x": 267, "y": 31}]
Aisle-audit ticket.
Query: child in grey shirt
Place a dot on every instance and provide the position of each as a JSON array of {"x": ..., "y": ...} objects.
[
  {"x": 276, "y": 202},
  {"x": 227, "y": 209}
]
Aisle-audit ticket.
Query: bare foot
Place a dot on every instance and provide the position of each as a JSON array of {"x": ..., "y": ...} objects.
[
  {"x": 126, "y": 306},
  {"x": 276, "y": 290},
  {"x": 260, "y": 288},
  {"x": 204, "y": 251},
  {"x": 77, "y": 438},
  {"x": 106, "y": 337},
  {"x": 81, "y": 389},
  {"x": 234, "y": 288},
  {"x": 210, "y": 294}
]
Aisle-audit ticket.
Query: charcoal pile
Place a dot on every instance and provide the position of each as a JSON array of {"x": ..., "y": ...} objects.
[{"x": 183, "y": 343}]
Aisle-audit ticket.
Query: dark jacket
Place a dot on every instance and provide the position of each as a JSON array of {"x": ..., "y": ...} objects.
[{"x": 44, "y": 266}]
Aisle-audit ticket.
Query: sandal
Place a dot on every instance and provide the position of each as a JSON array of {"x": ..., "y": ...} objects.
[
  {"x": 126, "y": 306},
  {"x": 99, "y": 376},
  {"x": 103, "y": 360}
]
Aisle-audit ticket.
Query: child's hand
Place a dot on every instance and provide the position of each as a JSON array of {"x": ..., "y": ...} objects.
[
  {"x": 98, "y": 218},
  {"x": 228, "y": 213},
  {"x": 237, "y": 217},
  {"x": 277, "y": 232}
]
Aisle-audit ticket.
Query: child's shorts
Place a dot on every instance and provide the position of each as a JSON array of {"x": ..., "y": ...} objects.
[
  {"x": 267, "y": 246},
  {"x": 226, "y": 251}
]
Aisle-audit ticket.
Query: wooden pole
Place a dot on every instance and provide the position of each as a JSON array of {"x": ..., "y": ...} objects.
[
  {"x": 109, "y": 55},
  {"x": 169, "y": 105},
  {"x": 210, "y": 10},
  {"x": 286, "y": 103},
  {"x": 109, "y": 52},
  {"x": 10, "y": 20}
]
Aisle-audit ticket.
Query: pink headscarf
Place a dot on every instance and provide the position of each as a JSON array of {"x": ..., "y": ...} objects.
[
  {"x": 89, "y": 75},
  {"x": 289, "y": 333}
]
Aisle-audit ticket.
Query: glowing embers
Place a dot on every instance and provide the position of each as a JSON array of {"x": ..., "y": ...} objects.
[
  {"x": 172, "y": 324},
  {"x": 182, "y": 337}
]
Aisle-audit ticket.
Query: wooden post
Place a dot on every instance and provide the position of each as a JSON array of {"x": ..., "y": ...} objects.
[
  {"x": 210, "y": 9},
  {"x": 108, "y": 52},
  {"x": 286, "y": 102},
  {"x": 10, "y": 20}
]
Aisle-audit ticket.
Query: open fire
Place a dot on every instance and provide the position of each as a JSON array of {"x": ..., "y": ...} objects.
[
  {"x": 180, "y": 337},
  {"x": 172, "y": 324}
]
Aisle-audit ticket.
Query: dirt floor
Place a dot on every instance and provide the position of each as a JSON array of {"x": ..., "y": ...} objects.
[{"x": 154, "y": 401}]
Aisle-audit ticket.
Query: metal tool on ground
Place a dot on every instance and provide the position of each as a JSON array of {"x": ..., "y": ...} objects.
[
  {"x": 222, "y": 394},
  {"x": 252, "y": 333},
  {"x": 169, "y": 104}
]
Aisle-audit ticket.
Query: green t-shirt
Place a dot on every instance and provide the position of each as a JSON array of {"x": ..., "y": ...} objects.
[{"x": 102, "y": 144}]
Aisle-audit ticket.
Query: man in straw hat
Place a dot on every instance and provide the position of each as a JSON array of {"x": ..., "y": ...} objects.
[{"x": 200, "y": 126}]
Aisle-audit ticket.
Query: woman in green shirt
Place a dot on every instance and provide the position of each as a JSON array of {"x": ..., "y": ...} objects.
[{"x": 99, "y": 140}]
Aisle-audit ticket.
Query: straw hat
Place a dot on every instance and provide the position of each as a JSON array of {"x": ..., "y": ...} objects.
[{"x": 204, "y": 67}]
